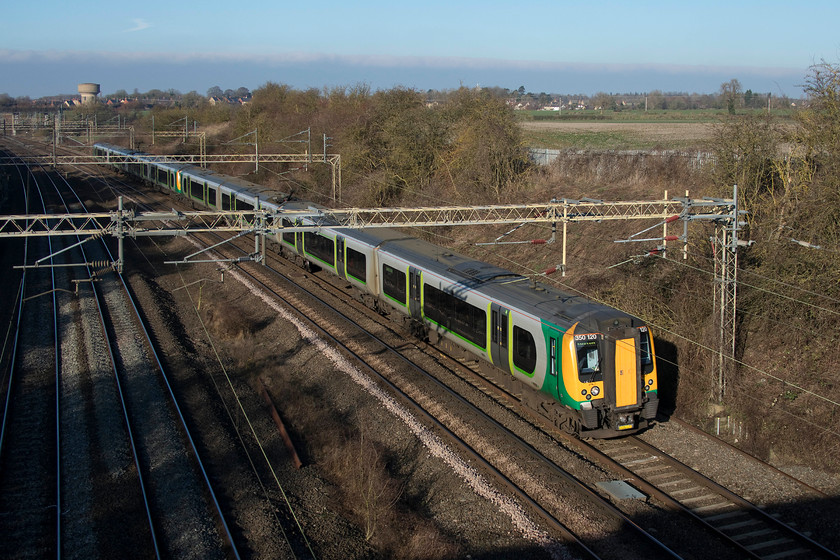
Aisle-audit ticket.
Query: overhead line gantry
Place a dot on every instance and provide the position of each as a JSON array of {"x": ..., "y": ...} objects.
[{"x": 723, "y": 213}]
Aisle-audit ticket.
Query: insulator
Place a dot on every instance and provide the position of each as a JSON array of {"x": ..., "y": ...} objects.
[
  {"x": 538, "y": 241},
  {"x": 100, "y": 264},
  {"x": 673, "y": 218},
  {"x": 551, "y": 270},
  {"x": 671, "y": 237}
]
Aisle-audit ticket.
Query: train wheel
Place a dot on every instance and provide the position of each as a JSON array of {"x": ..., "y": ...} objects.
[
  {"x": 568, "y": 424},
  {"x": 562, "y": 418},
  {"x": 418, "y": 330}
]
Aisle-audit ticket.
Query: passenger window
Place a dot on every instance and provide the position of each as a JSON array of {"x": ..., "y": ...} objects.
[
  {"x": 455, "y": 315},
  {"x": 320, "y": 247},
  {"x": 524, "y": 350},
  {"x": 288, "y": 236},
  {"x": 357, "y": 265},
  {"x": 393, "y": 283}
]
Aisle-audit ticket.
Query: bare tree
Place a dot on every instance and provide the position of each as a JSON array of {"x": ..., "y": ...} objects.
[{"x": 731, "y": 92}]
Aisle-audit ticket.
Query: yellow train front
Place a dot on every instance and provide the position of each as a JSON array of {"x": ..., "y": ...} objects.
[
  {"x": 609, "y": 376},
  {"x": 595, "y": 368}
]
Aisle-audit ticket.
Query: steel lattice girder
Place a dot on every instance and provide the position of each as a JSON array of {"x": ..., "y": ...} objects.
[
  {"x": 195, "y": 159},
  {"x": 131, "y": 224}
]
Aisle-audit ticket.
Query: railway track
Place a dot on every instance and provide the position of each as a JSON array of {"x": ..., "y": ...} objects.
[
  {"x": 217, "y": 411},
  {"x": 392, "y": 362},
  {"x": 125, "y": 478},
  {"x": 721, "y": 517},
  {"x": 749, "y": 528},
  {"x": 742, "y": 541},
  {"x": 652, "y": 543},
  {"x": 29, "y": 440}
]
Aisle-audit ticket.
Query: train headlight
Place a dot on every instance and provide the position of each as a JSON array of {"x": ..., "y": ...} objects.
[
  {"x": 595, "y": 391},
  {"x": 650, "y": 381}
]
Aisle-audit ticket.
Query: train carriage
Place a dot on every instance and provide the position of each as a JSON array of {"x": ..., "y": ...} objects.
[{"x": 588, "y": 367}]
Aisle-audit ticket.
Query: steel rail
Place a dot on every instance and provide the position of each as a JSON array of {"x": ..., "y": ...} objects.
[
  {"x": 128, "y": 425},
  {"x": 13, "y": 357},
  {"x": 173, "y": 399},
  {"x": 281, "y": 489},
  {"x": 747, "y": 506},
  {"x": 530, "y": 450},
  {"x": 57, "y": 350}
]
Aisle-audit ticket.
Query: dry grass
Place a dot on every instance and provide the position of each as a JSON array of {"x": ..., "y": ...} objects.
[{"x": 600, "y": 135}]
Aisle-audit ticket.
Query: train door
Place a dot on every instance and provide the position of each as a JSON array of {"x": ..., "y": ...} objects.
[
  {"x": 499, "y": 339},
  {"x": 554, "y": 367},
  {"x": 414, "y": 288},
  {"x": 622, "y": 378},
  {"x": 339, "y": 257}
]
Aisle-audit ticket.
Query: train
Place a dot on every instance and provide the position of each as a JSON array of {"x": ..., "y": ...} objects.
[{"x": 587, "y": 367}]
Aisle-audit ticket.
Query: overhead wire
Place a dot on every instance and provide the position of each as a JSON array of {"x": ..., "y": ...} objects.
[
  {"x": 785, "y": 284},
  {"x": 659, "y": 327},
  {"x": 787, "y": 324},
  {"x": 687, "y": 339}
]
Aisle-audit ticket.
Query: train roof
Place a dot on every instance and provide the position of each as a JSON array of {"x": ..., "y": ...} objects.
[
  {"x": 499, "y": 284},
  {"x": 240, "y": 188}
]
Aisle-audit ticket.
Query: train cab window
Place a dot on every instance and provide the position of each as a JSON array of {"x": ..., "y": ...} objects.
[
  {"x": 644, "y": 351},
  {"x": 288, "y": 236},
  {"x": 357, "y": 265},
  {"x": 524, "y": 350},
  {"x": 393, "y": 284},
  {"x": 588, "y": 359},
  {"x": 320, "y": 247}
]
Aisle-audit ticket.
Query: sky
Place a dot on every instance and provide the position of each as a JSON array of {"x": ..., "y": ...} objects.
[{"x": 553, "y": 47}]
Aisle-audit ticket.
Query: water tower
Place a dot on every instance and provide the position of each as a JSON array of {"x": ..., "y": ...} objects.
[{"x": 88, "y": 93}]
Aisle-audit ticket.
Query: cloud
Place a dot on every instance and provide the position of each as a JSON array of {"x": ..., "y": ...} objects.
[
  {"x": 139, "y": 25},
  {"x": 39, "y": 73},
  {"x": 372, "y": 61}
]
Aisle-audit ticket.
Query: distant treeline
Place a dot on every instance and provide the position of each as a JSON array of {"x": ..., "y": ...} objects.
[{"x": 731, "y": 95}]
